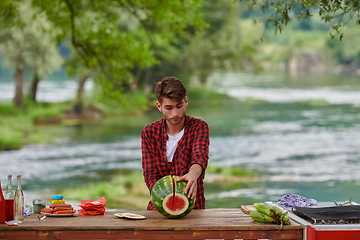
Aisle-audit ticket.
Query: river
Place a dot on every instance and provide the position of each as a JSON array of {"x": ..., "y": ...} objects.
[{"x": 302, "y": 132}]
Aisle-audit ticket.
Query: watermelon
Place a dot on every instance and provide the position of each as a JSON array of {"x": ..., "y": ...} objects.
[
  {"x": 169, "y": 199},
  {"x": 130, "y": 215}
]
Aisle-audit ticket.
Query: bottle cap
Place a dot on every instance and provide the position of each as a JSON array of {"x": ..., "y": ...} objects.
[{"x": 57, "y": 197}]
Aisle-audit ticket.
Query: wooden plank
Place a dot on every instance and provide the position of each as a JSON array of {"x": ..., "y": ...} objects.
[
  {"x": 88, "y": 234},
  {"x": 199, "y": 224}
]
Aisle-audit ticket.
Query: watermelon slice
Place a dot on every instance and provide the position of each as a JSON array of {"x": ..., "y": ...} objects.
[
  {"x": 119, "y": 215},
  {"x": 130, "y": 215}
]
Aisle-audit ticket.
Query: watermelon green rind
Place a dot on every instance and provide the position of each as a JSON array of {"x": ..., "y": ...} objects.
[
  {"x": 118, "y": 215},
  {"x": 133, "y": 216},
  {"x": 163, "y": 189},
  {"x": 130, "y": 215}
]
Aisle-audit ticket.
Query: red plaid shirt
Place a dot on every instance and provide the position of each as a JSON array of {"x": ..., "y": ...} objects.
[{"x": 192, "y": 148}]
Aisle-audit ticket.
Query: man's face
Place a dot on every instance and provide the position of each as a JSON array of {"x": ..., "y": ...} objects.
[{"x": 174, "y": 112}]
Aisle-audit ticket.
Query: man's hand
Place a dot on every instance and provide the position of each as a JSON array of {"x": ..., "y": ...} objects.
[{"x": 191, "y": 178}]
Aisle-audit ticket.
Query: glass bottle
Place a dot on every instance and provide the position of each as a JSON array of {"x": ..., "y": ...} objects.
[
  {"x": 19, "y": 202},
  {"x": 2, "y": 206},
  {"x": 9, "y": 200}
]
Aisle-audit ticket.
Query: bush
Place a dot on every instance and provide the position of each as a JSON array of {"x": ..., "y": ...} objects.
[
  {"x": 10, "y": 139},
  {"x": 7, "y": 109},
  {"x": 116, "y": 191},
  {"x": 228, "y": 172},
  {"x": 47, "y": 116}
]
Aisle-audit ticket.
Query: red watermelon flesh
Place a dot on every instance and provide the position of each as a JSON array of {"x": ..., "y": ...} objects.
[{"x": 175, "y": 204}]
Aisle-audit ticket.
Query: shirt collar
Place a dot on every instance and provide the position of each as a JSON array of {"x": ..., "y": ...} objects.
[{"x": 163, "y": 129}]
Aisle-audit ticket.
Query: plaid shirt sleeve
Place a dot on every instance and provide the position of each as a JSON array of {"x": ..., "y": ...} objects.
[
  {"x": 193, "y": 148},
  {"x": 151, "y": 148}
]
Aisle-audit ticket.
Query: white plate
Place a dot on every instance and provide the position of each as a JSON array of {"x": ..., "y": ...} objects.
[{"x": 58, "y": 215}]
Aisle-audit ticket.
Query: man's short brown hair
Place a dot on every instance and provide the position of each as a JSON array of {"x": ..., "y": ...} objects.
[{"x": 172, "y": 88}]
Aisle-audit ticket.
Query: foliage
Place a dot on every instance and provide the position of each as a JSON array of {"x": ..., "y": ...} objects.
[
  {"x": 10, "y": 139},
  {"x": 110, "y": 38},
  {"x": 229, "y": 172},
  {"x": 128, "y": 190},
  {"x": 202, "y": 94},
  {"x": 227, "y": 43},
  {"x": 18, "y": 128},
  {"x": 348, "y": 50},
  {"x": 314, "y": 102},
  {"x": 8, "y": 110},
  {"x": 333, "y": 11},
  {"x": 47, "y": 114},
  {"x": 32, "y": 38},
  {"x": 128, "y": 45},
  {"x": 126, "y": 185},
  {"x": 113, "y": 37}
]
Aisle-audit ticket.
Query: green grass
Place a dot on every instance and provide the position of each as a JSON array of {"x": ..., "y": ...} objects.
[
  {"x": 201, "y": 94},
  {"x": 230, "y": 171},
  {"x": 6, "y": 109},
  {"x": 10, "y": 139},
  {"x": 125, "y": 190},
  {"x": 17, "y": 124},
  {"x": 46, "y": 115},
  {"x": 314, "y": 102}
]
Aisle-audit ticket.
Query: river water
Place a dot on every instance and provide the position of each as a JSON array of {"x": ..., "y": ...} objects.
[{"x": 301, "y": 132}]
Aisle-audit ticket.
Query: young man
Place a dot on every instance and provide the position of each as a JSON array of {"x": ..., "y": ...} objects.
[{"x": 177, "y": 144}]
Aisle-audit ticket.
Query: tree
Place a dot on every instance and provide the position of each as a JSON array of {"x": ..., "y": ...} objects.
[
  {"x": 336, "y": 12},
  {"x": 112, "y": 37},
  {"x": 347, "y": 53},
  {"x": 227, "y": 43},
  {"x": 29, "y": 41}
]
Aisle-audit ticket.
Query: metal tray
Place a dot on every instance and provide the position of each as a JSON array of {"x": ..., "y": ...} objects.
[{"x": 329, "y": 213}]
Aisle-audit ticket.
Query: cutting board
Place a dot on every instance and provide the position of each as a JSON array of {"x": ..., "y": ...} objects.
[{"x": 247, "y": 208}]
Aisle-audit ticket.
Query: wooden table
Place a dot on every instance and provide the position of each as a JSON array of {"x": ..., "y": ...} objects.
[{"x": 199, "y": 224}]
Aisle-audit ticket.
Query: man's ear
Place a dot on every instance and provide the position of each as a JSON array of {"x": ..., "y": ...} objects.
[
  {"x": 186, "y": 101},
  {"x": 158, "y": 105}
]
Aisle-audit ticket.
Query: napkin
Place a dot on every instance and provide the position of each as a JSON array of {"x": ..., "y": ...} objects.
[{"x": 93, "y": 207}]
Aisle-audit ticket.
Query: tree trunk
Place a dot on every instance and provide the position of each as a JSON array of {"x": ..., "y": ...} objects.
[
  {"x": 18, "y": 98},
  {"x": 78, "y": 108},
  {"x": 34, "y": 87},
  {"x": 148, "y": 86}
]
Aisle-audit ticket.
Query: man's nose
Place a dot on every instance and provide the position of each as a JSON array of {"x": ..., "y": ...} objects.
[{"x": 175, "y": 112}]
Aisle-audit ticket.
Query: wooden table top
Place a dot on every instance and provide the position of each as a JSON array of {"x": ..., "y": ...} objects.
[{"x": 199, "y": 224}]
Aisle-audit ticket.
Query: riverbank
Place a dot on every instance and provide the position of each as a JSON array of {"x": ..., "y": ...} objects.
[
  {"x": 299, "y": 124},
  {"x": 48, "y": 123},
  {"x": 127, "y": 190},
  {"x": 22, "y": 126},
  {"x": 44, "y": 122}
]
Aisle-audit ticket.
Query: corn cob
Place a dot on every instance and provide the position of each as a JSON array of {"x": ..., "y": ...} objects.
[
  {"x": 284, "y": 219},
  {"x": 276, "y": 211},
  {"x": 261, "y": 217},
  {"x": 264, "y": 208},
  {"x": 270, "y": 214}
]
